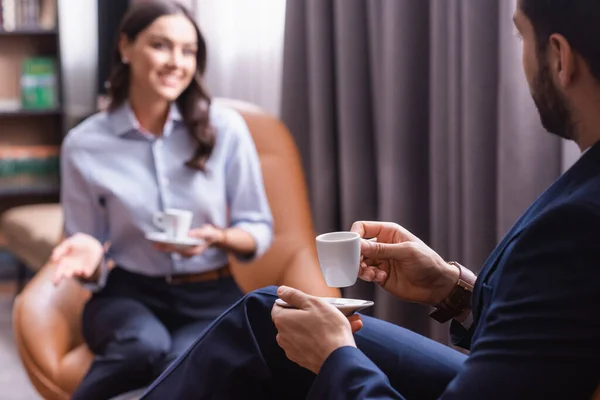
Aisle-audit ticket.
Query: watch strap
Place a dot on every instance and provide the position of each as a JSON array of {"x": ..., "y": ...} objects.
[{"x": 457, "y": 301}]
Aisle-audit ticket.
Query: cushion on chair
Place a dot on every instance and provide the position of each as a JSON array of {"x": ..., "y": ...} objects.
[{"x": 32, "y": 231}]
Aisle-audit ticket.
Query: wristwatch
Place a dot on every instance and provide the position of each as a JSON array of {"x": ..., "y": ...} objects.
[{"x": 457, "y": 301}]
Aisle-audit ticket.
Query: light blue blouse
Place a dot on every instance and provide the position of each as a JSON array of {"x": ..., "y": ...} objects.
[{"x": 115, "y": 178}]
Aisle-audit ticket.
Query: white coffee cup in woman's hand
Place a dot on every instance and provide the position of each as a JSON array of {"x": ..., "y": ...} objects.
[{"x": 174, "y": 222}]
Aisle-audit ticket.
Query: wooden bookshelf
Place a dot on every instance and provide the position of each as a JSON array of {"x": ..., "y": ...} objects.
[
  {"x": 41, "y": 190},
  {"x": 31, "y": 106},
  {"x": 29, "y": 32},
  {"x": 30, "y": 113}
]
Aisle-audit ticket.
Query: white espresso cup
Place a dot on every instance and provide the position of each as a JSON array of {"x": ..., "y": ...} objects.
[
  {"x": 339, "y": 257},
  {"x": 175, "y": 223}
]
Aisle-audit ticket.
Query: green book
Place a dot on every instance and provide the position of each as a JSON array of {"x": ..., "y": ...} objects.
[{"x": 39, "y": 84}]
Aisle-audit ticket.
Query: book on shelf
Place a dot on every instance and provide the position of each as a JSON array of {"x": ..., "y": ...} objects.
[
  {"x": 18, "y": 15},
  {"x": 29, "y": 168},
  {"x": 39, "y": 84},
  {"x": 39, "y": 89}
]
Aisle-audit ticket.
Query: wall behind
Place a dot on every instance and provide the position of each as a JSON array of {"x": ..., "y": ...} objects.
[
  {"x": 79, "y": 49},
  {"x": 570, "y": 154},
  {"x": 245, "y": 49}
]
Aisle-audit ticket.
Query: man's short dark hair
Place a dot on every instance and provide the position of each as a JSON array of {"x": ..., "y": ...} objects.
[{"x": 577, "y": 20}]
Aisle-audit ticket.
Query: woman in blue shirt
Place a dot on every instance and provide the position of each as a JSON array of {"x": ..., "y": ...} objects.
[{"x": 160, "y": 145}]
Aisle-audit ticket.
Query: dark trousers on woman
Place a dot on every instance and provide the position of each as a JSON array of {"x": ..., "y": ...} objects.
[{"x": 137, "y": 325}]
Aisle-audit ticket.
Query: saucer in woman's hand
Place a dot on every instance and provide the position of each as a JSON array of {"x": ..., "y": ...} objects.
[{"x": 182, "y": 242}]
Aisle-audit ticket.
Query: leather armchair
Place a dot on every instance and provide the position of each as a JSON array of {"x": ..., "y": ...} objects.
[{"x": 46, "y": 318}]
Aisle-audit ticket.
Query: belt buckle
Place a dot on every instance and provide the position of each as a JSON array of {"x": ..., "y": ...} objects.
[{"x": 169, "y": 278}]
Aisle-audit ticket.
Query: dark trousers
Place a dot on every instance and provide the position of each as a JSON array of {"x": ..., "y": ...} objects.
[
  {"x": 137, "y": 325},
  {"x": 237, "y": 357}
]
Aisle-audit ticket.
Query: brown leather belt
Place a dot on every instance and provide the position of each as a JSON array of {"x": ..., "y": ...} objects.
[{"x": 199, "y": 277}]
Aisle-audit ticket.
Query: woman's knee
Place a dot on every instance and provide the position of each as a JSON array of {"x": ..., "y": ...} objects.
[{"x": 144, "y": 348}]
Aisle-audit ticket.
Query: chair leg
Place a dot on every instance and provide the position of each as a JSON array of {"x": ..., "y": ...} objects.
[{"x": 22, "y": 272}]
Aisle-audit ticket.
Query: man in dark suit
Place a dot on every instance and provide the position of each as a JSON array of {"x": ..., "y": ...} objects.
[{"x": 529, "y": 317}]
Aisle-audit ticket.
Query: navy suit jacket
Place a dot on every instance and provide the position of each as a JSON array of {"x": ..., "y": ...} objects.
[{"x": 536, "y": 331}]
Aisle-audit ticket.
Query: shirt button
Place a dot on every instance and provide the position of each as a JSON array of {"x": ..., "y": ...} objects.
[
  {"x": 176, "y": 256},
  {"x": 159, "y": 143}
]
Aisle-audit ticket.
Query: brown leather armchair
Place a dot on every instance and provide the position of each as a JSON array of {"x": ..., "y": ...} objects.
[{"x": 46, "y": 318}]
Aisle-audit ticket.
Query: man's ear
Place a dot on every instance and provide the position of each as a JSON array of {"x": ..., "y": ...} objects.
[{"x": 562, "y": 61}]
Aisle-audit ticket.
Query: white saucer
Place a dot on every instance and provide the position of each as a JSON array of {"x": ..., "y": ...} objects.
[
  {"x": 162, "y": 238},
  {"x": 346, "y": 306}
]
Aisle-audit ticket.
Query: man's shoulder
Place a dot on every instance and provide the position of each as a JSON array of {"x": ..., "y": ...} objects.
[
  {"x": 588, "y": 193},
  {"x": 576, "y": 213}
]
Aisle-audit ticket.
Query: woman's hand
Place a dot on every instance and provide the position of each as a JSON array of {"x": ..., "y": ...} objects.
[{"x": 78, "y": 256}]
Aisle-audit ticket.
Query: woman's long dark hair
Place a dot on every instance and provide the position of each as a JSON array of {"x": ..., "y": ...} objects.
[{"x": 194, "y": 102}]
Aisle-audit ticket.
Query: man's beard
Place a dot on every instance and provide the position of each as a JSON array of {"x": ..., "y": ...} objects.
[{"x": 551, "y": 105}]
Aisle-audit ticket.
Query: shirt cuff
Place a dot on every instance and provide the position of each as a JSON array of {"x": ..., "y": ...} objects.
[
  {"x": 261, "y": 232},
  {"x": 460, "y": 336},
  {"x": 95, "y": 287}
]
